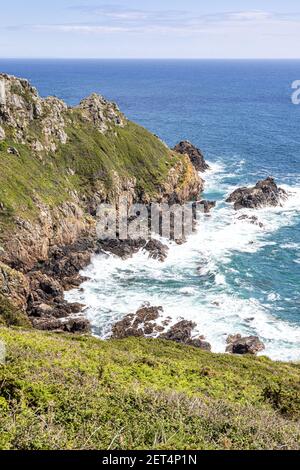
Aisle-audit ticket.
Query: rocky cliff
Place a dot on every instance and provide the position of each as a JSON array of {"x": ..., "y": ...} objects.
[{"x": 58, "y": 163}]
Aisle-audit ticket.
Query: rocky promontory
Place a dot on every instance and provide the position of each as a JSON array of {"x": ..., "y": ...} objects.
[
  {"x": 57, "y": 165},
  {"x": 195, "y": 155},
  {"x": 264, "y": 193}
]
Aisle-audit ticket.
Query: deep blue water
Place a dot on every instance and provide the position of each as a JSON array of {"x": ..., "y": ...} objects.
[{"x": 241, "y": 115}]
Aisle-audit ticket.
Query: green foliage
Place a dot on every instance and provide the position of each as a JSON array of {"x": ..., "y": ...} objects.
[
  {"x": 9, "y": 315},
  {"x": 66, "y": 392},
  {"x": 88, "y": 162}
]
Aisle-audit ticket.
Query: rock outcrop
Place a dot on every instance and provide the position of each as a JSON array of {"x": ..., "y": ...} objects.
[
  {"x": 147, "y": 322},
  {"x": 142, "y": 323},
  {"x": 206, "y": 206},
  {"x": 247, "y": 345},
  {"x": 101, "y": 113},
  {"x": 264, "y": 193},
  {"x": 58, "y": 164},
  {"x": 195, "y": 155},
  {"x": 182, "y": 333}
]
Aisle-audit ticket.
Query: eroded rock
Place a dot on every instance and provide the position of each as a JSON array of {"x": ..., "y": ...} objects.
[
  {"x": 142, "y": 323},
  {"x": 157, "y": 250},
  {"x": 182, "y": 333},
  {"x": 247, "y": 345},
  {"x": 264, "y": 193},
  {"x": 196, "y": 156}
]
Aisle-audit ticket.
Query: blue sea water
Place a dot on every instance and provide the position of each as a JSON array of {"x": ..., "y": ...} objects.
[{"x": 231, "y": 276}]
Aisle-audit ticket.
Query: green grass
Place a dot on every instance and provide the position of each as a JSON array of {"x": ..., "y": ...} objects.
[
  {"x": 69, "y": 392},
  {"x": 87, "y": 163}
]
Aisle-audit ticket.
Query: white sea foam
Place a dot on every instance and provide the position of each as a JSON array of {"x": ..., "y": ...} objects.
[{"x": 192, "y": 282}]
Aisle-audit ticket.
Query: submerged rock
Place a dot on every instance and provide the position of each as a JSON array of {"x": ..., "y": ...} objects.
[
  {"x": 248, "y": 345},
  {"x": 264, "y": 193},
  {"x": 197, "y": 158},
  {"x": 252, "y": 220}
]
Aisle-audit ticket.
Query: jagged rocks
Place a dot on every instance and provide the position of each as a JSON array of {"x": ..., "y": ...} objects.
[
  {"x": 145, "y": 323},
  {"x": 127, "y": 248},
  {"x": 122, "y": 248},
  {"x": 14, "y": 285},
  {"x": 248, "y": 345},
  {"x": 195, "y": 155},
  {"x": 264, "y": 193},
  {"x": 206, "y": 206},
  {"x": 182, "y": 333},
  {"x": 101, "y": 112},
  {"x": 70, "y": 325},
  {"x": 142, "y": 323},
  {"x": 21, "y": 105},
  {"x": 157, "y": 250}
]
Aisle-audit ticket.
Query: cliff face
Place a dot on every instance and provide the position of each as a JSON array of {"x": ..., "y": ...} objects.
[{"x": 58, "y": 163}]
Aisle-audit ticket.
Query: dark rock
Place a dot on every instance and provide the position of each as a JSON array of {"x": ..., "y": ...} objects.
[
  {"x": 182, "y": 333},
  {"x": 248, "y": 345},
  {"x": 264, "y": 193},
  {"x": 157, "y": 250},
  {"x": 207, "y": 206},
  {"x": 13, "y": 151},
  {"x": 142, "y": 323},
  {"x": 252, "y": 220},
  {"x": 69, "y": 325},
  {"x": 195, "y": 155},
  {"x": 123, "y": 248}
]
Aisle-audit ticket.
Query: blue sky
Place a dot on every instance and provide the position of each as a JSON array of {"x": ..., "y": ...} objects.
[{"x": 150, "y": 29}]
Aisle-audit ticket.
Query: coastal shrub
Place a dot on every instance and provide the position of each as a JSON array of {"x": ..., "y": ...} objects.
[
  {"x": 66, "y": 392},
  {"x": 10, "y": 315},
  {"x": 284, "y": 398}
]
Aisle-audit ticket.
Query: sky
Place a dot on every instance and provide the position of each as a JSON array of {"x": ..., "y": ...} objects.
[{"x": 150, "y": 29}]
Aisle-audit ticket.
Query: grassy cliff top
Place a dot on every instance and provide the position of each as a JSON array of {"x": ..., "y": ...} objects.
[
  {"x": 66, "y": 392},
  {"x": 51, "y": 153}
]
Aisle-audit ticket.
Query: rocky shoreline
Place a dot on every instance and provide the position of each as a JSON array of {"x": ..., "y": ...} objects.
[{"x": 45, "y": 251}]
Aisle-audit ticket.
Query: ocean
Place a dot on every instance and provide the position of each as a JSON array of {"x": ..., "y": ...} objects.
[{"x": 231, "y": 276}]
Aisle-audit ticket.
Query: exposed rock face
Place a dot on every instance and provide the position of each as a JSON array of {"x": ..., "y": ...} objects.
[
  {"x": 14, "y": 285},
  {"x": 157, "y": 250},
  {"x": 195, "y": 155},
  {"x": 33, "y": 239},
  {"x": 182, "y": 333},
  {"x": 173, "y": 191},
  {"x": 142, "y": 323},
  {"x": 21, "y": 104},
  {"x": 264, "y": 193},
  {"x": 145, "y": 323},
  {"x": 248, "y": 345},
  {"x": 68, "y": 325},
  {"x": 127, "y": 248},
  {"x": 51, "y": 232},
  {"x": 207, "y": 206},
  {"x": 101, "y": 113}
]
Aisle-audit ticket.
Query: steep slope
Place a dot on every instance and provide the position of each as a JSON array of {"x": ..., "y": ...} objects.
[{"x": 58, "y": 163}]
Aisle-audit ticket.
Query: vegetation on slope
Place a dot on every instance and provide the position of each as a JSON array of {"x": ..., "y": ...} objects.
[{"x": 70, "y": 392}]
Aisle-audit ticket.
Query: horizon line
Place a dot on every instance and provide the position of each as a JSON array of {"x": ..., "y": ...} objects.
[{"x": 150, "y": 58}]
